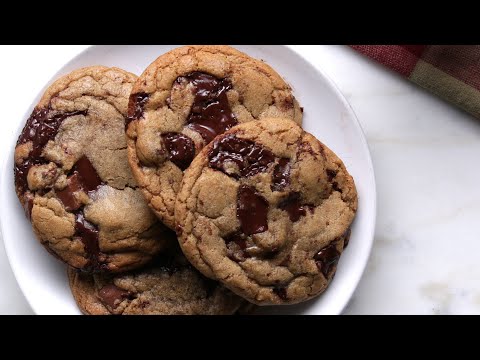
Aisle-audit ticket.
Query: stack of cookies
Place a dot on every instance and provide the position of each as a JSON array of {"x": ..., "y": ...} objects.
[{"x": 191, "y": 189}]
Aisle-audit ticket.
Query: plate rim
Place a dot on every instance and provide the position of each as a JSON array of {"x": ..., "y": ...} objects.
[{"x": 331, "y": 84}]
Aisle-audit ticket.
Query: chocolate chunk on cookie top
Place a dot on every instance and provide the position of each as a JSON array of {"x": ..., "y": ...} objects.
[
  {"x": 266, "y": 209},
  {"x": 169, "y": 286},
  {"x": 73, "y": 179},
  {"x": 186, "y": 98}
]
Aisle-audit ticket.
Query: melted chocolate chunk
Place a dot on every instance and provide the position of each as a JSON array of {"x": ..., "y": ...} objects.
[
  {"x": 88, "y": 175},
  {"x": 281, "y": 292},
  {"x": 331, "y": 174},
  {"x": 88, "y": 233},
  {"x": 179, "y": 230},
  {"x": 21, "y": 173},
  {"x": 67, "y": 195},
  {"x": 84, "y": 178},
  {"x": 41, "y": 127},
  {"x": 346, "y": 237},
  {"x": 252, "y": 210},
  {"x": 249, "y": 157},
  {"x": 306, "y": 147},
  {"x": 294, "y": 207},
  {"x": 210, "y": 114},
  {"x": 239, "y": 239},
  {"x": 181, "y": 149},
  {"x": 136, "y": 107},
  {"x": 236, "y": 246},
  {"x": 28, "y": 207},
  {"x": 111, "y": 295},
  {"x": 335, "y": 187},
  {"x": 281, "y": 175},
  {"x": 327, "y": 258}
]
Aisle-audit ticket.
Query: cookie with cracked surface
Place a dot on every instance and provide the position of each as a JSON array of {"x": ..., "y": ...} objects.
[
  {"x": 73, "y": 179},
  {"x": 266, "y": 209},
  {"x": 170, "y": 286},
  {"x": 183, "y": 100}
]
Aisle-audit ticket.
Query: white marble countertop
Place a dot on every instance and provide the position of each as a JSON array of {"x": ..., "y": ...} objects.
[{"x": 425, "y": 154}]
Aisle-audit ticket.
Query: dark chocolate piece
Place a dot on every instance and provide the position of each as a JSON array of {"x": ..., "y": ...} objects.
[
  {"x": 181, "y": 149},
  {"x": 331, "y": 174},
  {"x": 111, "y": 295},
  {"x": 293, "y": 206},
  {"x": 281, "y": 292},
  {"x": 252, "y": 210},
  {"x": 88, "y": 233},
  {"x": 136, "y": 107},
  {"x": 41, "y": 127},
  {"x": 327, "y": 259},
  {"x": 249, "y": 157},
  {"x": 236, "y": 246},
  {"x": 85, "y": 178},
  {"x": 210, "y": 114},
  {"x": 88, "y": 175},
  {"x": 281, "y": 175},
  {"x": 67, "y": 195},
  {"x": 346, "y": 237}
]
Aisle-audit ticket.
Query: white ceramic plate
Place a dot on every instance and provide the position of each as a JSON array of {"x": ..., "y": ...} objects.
[{"x": 327, "y": 115}]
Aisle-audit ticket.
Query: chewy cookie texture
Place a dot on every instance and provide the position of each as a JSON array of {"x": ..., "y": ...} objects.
[
  {"x": 183, "y": 100},
  {"x": 73, "y": 178},
  {"x": 275, "y": 226},
  {"x": 169, "y": 286}
]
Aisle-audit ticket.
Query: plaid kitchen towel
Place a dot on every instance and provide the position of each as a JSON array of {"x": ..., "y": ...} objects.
[{"x": 450, "y": 71}]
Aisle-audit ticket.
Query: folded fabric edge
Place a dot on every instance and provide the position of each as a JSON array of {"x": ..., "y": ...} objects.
[{"x": 405, "y": 60}]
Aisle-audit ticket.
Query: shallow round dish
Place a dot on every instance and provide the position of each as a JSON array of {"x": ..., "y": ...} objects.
[{"x": 328, "y": 116}]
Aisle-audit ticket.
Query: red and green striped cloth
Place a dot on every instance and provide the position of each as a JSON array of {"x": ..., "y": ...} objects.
[{"x": 450, "y": 71}]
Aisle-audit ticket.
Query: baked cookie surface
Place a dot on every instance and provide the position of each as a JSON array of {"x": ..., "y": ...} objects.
[
  {"x": 266, "y": 209},
  {"x": 170, "y": 286},
  {"x": 183, "y": 100},
  {"x": 73, "y": 179}
]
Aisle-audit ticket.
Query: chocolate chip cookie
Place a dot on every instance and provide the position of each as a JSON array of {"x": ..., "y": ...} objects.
[
  {"x": 266, "y": 209},
  {"x": 183, "y": 100},
  {"x": 73, "y": 179},
  {"x": 170, "y": 286}
]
